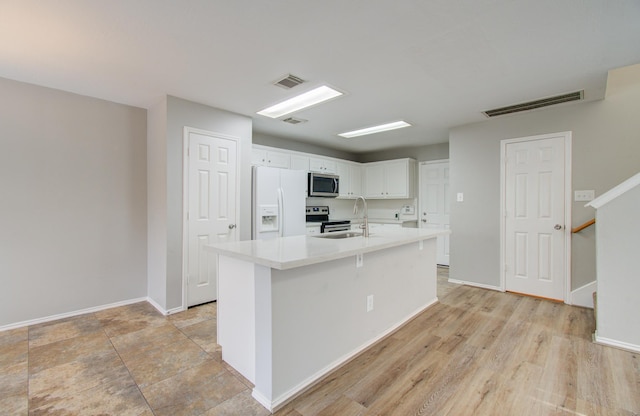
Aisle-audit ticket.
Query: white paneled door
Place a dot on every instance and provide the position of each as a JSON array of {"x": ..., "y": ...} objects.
[
  {"x": 212, "y": 208},
  {"x": 434, "y": 203},
  {"x": 534, "y": 216}
]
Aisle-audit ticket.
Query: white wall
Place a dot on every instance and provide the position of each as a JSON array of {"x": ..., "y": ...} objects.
[
  {"x": 157, "y": 203},
  {"x": 618, "y": 244},
  {"x": 606, "y": 145},
  {"x": 72, "y": 202},
  {"x": 168, "y": 119}
]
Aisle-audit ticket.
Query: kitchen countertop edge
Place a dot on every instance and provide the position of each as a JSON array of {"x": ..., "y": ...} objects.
[{"x": 271, "y": 253}]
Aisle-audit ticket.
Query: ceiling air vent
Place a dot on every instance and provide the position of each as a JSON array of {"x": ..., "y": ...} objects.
[
  {"x": 293, "y": 120},
  {"x": 289, "y": 81},
  {"x": 531, "y": 105}
]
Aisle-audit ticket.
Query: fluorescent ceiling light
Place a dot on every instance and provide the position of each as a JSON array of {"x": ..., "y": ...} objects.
[
  {"x": 301, "y": 101},
  {"x": 375, "y": 129}
]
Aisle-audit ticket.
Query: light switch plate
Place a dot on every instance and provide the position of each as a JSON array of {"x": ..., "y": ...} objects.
[
  {"x": 460, "y": 197},
  {"x": 587, "y": 196}
]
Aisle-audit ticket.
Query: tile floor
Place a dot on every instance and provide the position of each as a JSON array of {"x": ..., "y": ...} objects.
[{"x": 129, "y": 360}]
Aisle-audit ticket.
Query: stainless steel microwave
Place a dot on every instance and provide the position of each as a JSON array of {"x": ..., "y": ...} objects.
[{"x": 324, "y": 185}]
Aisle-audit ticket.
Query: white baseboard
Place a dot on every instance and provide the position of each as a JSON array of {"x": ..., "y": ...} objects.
[
  {"x": 583, "y": 296},
  {"x": 617, "y": 344},
  {"x": 70, "y": 314},
  {"x": 480, "y": 285},
  {"x": 283, "y": 399},
  {"x": 163, "y": 310},
  {"x": 157, "y": 306}
]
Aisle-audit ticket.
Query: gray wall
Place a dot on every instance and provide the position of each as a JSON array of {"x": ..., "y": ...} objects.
[
  {"x": 72, "y": 202},
  {"x": 179, "y": 113},
  {"x": 420, "y": 153},
  {"x": 606, "y": 145},
  {"x": 297, "y": 146}
]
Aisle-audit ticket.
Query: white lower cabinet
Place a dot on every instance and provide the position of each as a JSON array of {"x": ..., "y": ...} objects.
[{"x": 313, "y": 229}]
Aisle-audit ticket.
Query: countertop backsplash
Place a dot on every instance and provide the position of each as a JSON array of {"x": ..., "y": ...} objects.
[{"x": 378, "y": 208}]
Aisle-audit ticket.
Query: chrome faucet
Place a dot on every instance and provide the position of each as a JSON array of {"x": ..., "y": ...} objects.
[{"x": 365, "y": 221}]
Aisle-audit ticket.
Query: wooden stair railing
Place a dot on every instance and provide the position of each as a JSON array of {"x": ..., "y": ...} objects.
[{"x": 583, "y": 226}]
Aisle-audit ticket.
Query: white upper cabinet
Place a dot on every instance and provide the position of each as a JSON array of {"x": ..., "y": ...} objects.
[
  {"x": 350, "y": 174},
  {"x": 299, "y": 162},
  {"x": 261, "y": 157},
  {"x": 322, "y": 165},
  {"x": 393, "y": 179}
]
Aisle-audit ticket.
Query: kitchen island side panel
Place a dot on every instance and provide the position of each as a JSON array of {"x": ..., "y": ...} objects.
[
  {"x": 236, "y": 324},
  {"x": 319, "y": 312}
]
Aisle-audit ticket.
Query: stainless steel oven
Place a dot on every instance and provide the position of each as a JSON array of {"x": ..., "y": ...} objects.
[
  {"x": 333, "y": 226},
  {"x": 324, "y": 185},
  {"x": 320, "y": 214}
]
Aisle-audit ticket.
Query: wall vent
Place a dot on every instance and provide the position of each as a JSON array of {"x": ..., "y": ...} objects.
[
  {"x": 531, "y": 105},
  {"x": 289, "y": 81},
  {"x": 293, "y": 120}
]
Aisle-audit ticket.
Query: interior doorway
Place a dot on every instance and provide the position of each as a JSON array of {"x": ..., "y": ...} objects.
[
  {"x": 536, "y": 212},
  {"x": 434, "y": 203},
  {"x": 211, "y": 208}
]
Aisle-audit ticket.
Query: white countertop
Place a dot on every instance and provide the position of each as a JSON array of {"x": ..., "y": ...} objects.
[{"x": 290, "y": 252}]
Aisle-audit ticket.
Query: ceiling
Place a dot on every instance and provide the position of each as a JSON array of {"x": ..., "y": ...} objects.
[{"x": 433, "y": 63}]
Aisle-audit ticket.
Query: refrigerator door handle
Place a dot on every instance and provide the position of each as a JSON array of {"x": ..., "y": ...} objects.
[{"x": 280, "y": 212}]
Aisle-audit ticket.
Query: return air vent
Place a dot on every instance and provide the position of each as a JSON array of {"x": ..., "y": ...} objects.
[
  {"x": 293, "y": 120},
  {"x": 531, "y": 105},
  {"x": 289, "y": 81}
]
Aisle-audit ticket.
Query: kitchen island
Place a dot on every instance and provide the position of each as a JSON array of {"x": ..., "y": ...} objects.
[{"x": 292, "y": 309}]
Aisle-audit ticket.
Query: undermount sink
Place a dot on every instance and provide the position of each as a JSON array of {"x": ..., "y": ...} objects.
[{"x": 337, "y": 235}]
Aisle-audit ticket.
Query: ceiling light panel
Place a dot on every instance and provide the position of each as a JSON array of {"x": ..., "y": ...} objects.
[
  {"x": 307, "y": 99},
  {"x": 375, "y": 129}
]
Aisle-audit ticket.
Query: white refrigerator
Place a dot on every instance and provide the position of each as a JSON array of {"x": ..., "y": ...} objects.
[{"x": 278, "y": 202}]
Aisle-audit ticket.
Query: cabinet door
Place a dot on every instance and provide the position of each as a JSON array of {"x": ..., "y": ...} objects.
[
  {"x": 313, "y": 229},
  {"x": 374, "y": 181},
  {"x": 316, "y": 165},
  {"x": 278, "y": 160},
  {"x": 299, "y": 162},
  {"x": 258, "y": 157},
  {"x": 322, "y": 165},
  {"x": 355, "y": 184},
  {"x": 397, "y": 177},
  {"x": 330, "y": 166},
  {"x": 344, "y": 172}
]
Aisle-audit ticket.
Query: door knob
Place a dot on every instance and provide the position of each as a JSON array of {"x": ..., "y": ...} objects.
[
  {"x": 423, "y": 220},
  {"x": 557, "y": 227},
  {"x": 232, "y": 226}
]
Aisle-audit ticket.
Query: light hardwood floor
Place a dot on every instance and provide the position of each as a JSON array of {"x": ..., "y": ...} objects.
[
  {"x": 480, "y": 352},
  {"x": 476, "y": 352}
]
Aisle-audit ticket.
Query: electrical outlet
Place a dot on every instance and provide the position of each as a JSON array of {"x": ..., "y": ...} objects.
[
  {"x": 460, "y": 197},
  {"x": 369, "y": 303}
]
